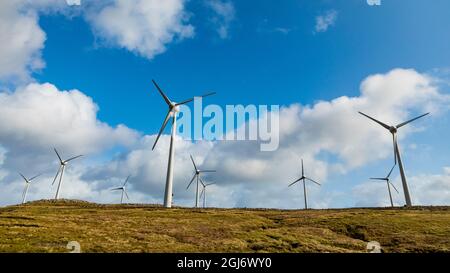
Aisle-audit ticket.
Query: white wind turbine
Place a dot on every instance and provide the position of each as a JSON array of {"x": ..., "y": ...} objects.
[
  {"x": 123, "y": 189},
  {"x": 304, "y": 178},
  {"x": 27, "y": 185},
  {"x": 62, "y": 168},
  {"x": 203, "y": 193},
  {"x": 174, "y": 108},
  {"x": 389, "y": 183},
  {"x": 397, "y": 158},
  {"x": 197, "y": 175}
]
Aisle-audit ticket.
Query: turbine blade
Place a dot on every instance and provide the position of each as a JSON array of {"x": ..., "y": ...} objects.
[
  {"x": 126, "y": 180},
  {"x": 116, "y": 189},
  {"x": 294, "y": 182},
  {"x": 208, "y": 171},
  {"x": 162, "y": 129},
  {"x": 191, "y": 181},
  {"x": 201, "y": 181},
  {"x": 34, "y": 177},
  {"x": 303, "y": 169},
  {"x": 207, "y": 94},
  {"x": 73, "y": 158},
  {"x": 201, "y": 194},
  {"x": 56, "y": 176},
  {"x": 378, "y": 178},
  {"x": 126, "y": 194},
  {"x": 60, "y": 159},
  {"x": 166, "y": 99},
  {"x": 193, "y": 162},
  {"x": 313, "y": 181},
  {"x": 377, "y": 121},
  {"x": 24, "y": 178},
  {"x": 393, "y": 186},
  {"x": 191, "y": 99},
  {"x": 411, "y": 120},
  {"x": 389, "y": 174},
  {"x": 185, "y": 101},
  {"x": 210, "y": 184}
]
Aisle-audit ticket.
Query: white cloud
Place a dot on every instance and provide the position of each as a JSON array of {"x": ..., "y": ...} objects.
[
  {"x": 144, "y": 27},
  {"x": 224, "y": 14},
  {"x": 324, "y": 21},
  {"x": 425, "y": 189},
  {"x": 21, "y": 42},
  {"x": 73, "y": 2},
  {"x": 39, "y": 116}
]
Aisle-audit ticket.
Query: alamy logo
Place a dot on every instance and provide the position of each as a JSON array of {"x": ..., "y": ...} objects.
[
  {"x": 235, "y": 122},
  {"x": 74, "y": 247}
]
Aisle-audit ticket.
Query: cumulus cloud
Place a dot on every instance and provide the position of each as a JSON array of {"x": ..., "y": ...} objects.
[
  {"x": 144, "y": 27},
  {"x": 40, "y": 115},
  {"x": 425, "y": 189},
  {"x": 224, "y": 14},
  {"x": 37, "y": 117},
  {"x": 22, "y": 42},
  {"x": 326, "y": 20}
]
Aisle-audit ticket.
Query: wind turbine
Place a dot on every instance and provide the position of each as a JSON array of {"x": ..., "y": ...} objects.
[
  {"x": 62, "y": 168},
  {"x": 174, "y": 108},
  {"x": 393, "y": 130},
  {"x": 304, "y": 178},
  {"x": 123, "y": 189},
  {"x": 203, "y": 193},
  {"x": 197, "y": 175},
  {"x": 27, "y": 185},
  {"x": 388, "y": 182}
]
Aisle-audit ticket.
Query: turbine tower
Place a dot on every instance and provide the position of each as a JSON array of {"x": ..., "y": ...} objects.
[
  {"x": 389, "y": 183},
  {"x": 303, "y": 179},
  {"x": 123, "y": 189},
  {"x": 62, "y": 168},
  {"x": 203, "y": 193},
  {"x": 27, "y": 185},
  {"x": 197, "y": 175},
  {"x": 397, "y": 158},
  {"x": 174, "y": 108}
]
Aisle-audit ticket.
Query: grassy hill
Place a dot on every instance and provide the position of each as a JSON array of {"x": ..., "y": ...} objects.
[{"x": 47, "y": 226}]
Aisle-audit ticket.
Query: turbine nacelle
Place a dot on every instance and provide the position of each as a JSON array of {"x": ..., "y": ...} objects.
[
  {"x": 174, "y": 108},
  {"x": 393, "y": 130}
]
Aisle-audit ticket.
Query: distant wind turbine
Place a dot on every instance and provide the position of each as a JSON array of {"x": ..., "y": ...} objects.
[
  {"x": 389, "y": 183},
  {"x": 197, "y": 174},
  {"x": 174, "y": 108},
  {"x": 123, "y": 189},
  {"x": 27, "y": 185},
  {"x": 303, "y": 179},
  {"x": 203, "y": 193},
  {"x": 397, "y": 158},
  {"x": 62, "y": 168}
]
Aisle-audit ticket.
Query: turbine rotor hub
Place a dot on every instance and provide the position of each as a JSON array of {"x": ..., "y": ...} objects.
[{"x": 393, "y": 130}]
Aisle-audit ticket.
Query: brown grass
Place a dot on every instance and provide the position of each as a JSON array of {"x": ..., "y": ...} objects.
[{"x": 47, "y": 226}]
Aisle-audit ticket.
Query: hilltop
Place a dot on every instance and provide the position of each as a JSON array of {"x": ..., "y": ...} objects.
[{"x": 47, "y": 226}]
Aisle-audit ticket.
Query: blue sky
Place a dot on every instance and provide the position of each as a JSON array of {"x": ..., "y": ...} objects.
[
  {"x": 271, "y": 53},
  {"x": 256, "y": 64}
]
